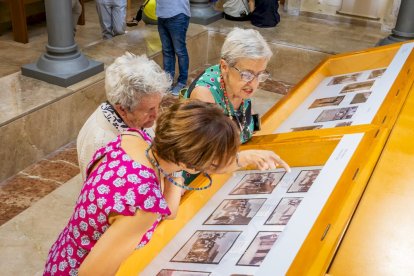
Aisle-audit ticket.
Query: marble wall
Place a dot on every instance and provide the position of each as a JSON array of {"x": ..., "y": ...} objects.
[{"x": 37, "y": 118}]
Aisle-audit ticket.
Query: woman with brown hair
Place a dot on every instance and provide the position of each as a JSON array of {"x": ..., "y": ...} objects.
[{"x": 130, "y": 187}]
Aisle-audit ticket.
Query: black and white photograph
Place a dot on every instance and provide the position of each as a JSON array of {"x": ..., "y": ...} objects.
[
  {"x": 304, "y": 181},
  {"x": 235, "y": 211},
  {"x": 344, "y": 79},
  {"x": 360, "y": 98},
  {"x": 341, "y": 124},
  {"x": 330, "y": 101},
  {"x": 258, "y": 183},
  {"x": 358, "y": 87},
  {"x": 336, "y": 114},
  {"x": 303, "y": 128},
  {"x": 284, "y": 211},
  {"x": 258, "y": 249},
  {"x": 206, "y": 247},
  {"x": 172, "y": 272},
  {"x": 376, "y": 73}
]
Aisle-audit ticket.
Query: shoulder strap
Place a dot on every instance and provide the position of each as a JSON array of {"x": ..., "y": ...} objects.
[{"x": 145, "y": 3}]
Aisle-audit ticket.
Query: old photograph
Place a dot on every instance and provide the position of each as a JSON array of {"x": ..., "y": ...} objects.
[
  {"x": 344, "y": 79},
  {"x": 303, "y": 128},
  {"x": 284, "y": 211},
  {"x": 330, "y": 101},
  {"x": 358, "y": 87},
  {"x": 336, "y": 114},
  {"x": 360, "y": 98},
  {"x": 258, "y": 249},
  {"x": 172, "y": 272},
  {"x": 235, "y": 211},
  {"x": 376, "y": 73},
  {"x": 304, "y": 181},
  {"x": 258, "y": 183},
  {"x": 341, "y": 124},
  {"x": 206, "y": 247}
]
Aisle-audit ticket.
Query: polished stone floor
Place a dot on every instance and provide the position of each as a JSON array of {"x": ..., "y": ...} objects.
[{"x": 36, "y": 202}]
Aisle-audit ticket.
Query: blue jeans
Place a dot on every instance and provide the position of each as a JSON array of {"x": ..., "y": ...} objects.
[{"x": 173, "y": 33}]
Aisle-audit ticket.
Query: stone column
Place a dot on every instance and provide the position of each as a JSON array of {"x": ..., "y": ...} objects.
[
  {"x": 202, "y": 12},
  {"x": 62, "y": 63},
  {"x": 404, "y": 28}
]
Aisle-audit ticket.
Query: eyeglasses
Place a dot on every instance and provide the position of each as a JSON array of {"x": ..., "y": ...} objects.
[{"x": 248, "y": 76}]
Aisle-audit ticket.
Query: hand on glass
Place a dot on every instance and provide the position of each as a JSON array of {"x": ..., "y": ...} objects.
[{"x": 262, "y": 159}]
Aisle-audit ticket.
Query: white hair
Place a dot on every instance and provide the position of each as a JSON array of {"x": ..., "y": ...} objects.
[
  {"x": 244, "y": 43},
  {"x": 130, "y": 78}
]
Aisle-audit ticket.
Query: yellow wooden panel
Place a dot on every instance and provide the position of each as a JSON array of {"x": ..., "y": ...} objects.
[
  {"x": 380, "y": 238},
  {"x": 319, "y": 247},
  {"x": 343, "y": 64}
]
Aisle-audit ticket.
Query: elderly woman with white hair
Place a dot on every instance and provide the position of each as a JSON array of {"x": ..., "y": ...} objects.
[
  {"x": 231, "y": 84},
  {"x": 134, "y": 86}
]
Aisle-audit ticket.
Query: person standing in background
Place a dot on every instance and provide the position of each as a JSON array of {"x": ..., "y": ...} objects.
[
  {"x": 112, "y": 14},
  {"x": 76, "y": 12},
  {"x": 173, "y": 21},
  {"x": 237, "y": 10},
  {"x": 264, "y": 13}
]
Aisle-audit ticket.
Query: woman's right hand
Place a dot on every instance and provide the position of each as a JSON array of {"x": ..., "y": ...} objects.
[{"x": 262, "y": 159}]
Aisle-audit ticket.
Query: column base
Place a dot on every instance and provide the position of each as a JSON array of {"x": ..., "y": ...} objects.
[{"x": 83, "y": 68}]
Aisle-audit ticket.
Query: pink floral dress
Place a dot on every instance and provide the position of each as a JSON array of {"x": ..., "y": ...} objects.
[{"x": 118, "y": 185}]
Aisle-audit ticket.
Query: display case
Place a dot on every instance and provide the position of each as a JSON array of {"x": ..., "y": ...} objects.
[
  {"x": 331, "y": 129},
  {"x": 266, "y": 222},
  {"x": 354, "y": 89}
]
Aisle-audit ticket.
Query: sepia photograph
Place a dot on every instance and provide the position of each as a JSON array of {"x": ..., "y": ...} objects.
[
  {"x": 258, "y": 183},
  {"x": 303, "y": 128},
  {"x": 235, "y": 212},
  {"x": 284, "y": 211},
  {"x": 206, "y": 247},
  {"x": 304, "y": 181},
  {"x": 258, "y": 249},
  {"x": 336, "y": 114},
  {"x": 376, "y": 73},
  {"x": 341, "y": 124},
  {"x": 360, "y": 98},
  {"x": 172, "y": 272},
  {"x": 358, "y": 87},
  {"x": 344, "y": 79},
  {"x": 331, "y": 101}
]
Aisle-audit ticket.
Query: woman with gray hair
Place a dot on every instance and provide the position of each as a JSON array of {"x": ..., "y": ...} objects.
[
  {"x": 134, "y": 86},
  {"x": 231, "y": 84}
]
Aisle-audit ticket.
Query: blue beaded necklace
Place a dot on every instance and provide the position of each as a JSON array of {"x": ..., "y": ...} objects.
[{"x": 170, "y": 179}]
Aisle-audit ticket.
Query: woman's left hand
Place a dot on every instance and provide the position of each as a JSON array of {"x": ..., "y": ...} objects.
[{"x": 262, "y": 159}]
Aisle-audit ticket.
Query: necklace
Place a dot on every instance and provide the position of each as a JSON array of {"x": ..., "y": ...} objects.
[
  {"x": 244, "y": 128},
  {"x": 169, "y": 178}
]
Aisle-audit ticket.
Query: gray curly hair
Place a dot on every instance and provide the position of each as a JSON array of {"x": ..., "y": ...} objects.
[
  {"x": 244, "y": 43},
  {"x": 130, "y": 78}
]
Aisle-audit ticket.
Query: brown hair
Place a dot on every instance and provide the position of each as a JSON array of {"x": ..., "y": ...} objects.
[{"x": 196, "y": 134}]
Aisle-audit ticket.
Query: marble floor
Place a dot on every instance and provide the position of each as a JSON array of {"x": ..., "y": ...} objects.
[{"x": 36, "y": 202}]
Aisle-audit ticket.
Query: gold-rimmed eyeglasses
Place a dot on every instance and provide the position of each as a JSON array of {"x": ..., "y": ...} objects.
[{"x": 248, "y": 76}]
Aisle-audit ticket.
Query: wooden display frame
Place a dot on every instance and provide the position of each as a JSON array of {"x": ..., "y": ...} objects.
[
  {"x": 314, "y": 255},
  {"x": 309, "y": 148},
  {"x": 347, "y": 63}
]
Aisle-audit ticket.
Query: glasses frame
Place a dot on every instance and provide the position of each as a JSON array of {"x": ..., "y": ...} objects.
[{"x": 245, "y": 73}]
